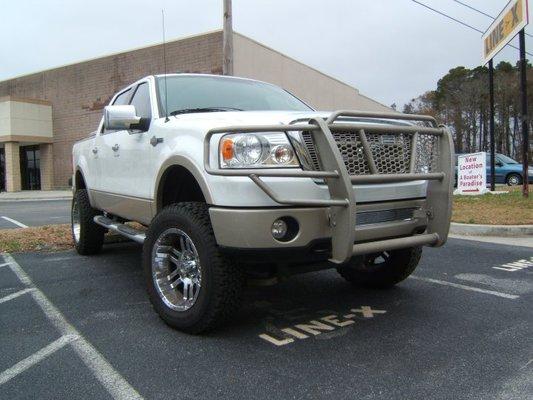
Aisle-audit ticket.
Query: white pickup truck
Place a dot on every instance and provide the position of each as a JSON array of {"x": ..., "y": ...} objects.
[{"x": 234, "y": 177}]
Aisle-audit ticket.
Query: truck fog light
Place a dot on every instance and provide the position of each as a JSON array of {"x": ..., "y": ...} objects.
[
  {"x": 279, "y": 229},
  {"x": 285, "y": 229}
]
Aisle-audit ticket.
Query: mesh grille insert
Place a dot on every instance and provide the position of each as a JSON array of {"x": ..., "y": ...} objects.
[{"x": 391, "y": 152}]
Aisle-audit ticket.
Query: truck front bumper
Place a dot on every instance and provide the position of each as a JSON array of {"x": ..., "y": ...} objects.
[
  {"x": 251, "y": 229},
  {"x": 338, "y": 216}
]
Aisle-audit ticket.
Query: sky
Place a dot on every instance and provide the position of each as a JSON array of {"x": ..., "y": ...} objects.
[{"x": 391, "y": 50}]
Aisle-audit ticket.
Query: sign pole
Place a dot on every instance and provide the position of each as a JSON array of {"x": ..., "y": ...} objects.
[
  {"x": 525, "y": 132},
  {"x": 510, "y": 22},
  {"x": 491, "y": 127}
]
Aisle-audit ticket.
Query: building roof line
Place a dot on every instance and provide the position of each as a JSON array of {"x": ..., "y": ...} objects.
[
  {"x": 296, "y": 60},
  {"x": 374, "y": 101},
  {"x": 357, "y": 92},
  {"x": 310, "y": 67},
  {"x": 111, "y": 54}
]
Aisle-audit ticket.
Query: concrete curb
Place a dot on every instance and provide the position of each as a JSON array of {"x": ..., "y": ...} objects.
[
  {"x": 36, "y": 195},
  {"x": 22, "y": 199},
  {"x": 491, "y": 230}
]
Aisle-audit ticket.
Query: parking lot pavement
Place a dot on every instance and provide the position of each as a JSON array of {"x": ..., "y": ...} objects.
[
  {"x": 20, "y": 214},
  {"x": 460, "y": 328}
]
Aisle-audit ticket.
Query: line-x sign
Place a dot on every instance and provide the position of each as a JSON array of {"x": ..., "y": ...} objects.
[{"x": 505, "y": 27}]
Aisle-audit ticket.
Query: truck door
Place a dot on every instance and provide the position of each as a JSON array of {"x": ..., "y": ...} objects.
[
  {"x": 126, "y": 158},
  {"x": 99, "y": 151}
]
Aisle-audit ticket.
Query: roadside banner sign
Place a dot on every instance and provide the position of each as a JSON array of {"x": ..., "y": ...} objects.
[
  {"x": 505, "y": 27},
  {"x": 472, "y": 173}
]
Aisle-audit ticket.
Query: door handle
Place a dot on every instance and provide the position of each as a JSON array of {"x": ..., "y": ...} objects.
[
  {"x": 115, "y": 147},
  {"x": 95, "y": 150},
  {"x": 154, "y": 141}
]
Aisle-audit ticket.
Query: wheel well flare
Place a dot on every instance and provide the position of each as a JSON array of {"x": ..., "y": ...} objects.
[{"x": 178, "y": 184}]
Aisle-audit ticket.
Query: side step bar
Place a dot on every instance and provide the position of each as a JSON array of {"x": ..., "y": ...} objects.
[
  {"x": 394, "y": 244},
  {"x": 121, "y": 229}
]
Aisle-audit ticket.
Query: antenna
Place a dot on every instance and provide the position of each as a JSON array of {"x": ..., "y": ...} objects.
[{"x": 165, "y": 64}]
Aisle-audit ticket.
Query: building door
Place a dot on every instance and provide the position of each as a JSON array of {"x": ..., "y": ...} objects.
[
  {"x": 2, "y": 170},
  {"x": 30, "y": 168}
]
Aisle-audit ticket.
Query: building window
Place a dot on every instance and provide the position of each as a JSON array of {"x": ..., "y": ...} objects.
[{"x": 30, "y": 168}]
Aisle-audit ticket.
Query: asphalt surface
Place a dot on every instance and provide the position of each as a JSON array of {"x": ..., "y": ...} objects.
[
  {"x": 462, "y": 328},
  {"x": 34, "y": 213}
]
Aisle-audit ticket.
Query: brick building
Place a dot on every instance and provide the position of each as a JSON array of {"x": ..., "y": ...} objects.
[{"x": 43, "y": 114}]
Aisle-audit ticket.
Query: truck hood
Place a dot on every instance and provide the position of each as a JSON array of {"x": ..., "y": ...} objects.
[{"x": 210, "y": 120}]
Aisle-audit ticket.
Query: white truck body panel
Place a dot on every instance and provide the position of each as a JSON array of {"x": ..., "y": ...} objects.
[{"x": 132, "y": 170}]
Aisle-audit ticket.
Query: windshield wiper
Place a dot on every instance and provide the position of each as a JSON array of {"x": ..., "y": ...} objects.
[{"x": 203, "y": 109}]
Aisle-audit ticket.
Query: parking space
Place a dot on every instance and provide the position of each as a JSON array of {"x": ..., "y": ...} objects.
[
  {"x": 22, "y": 214},
  {"x": 460, "y": 328}
]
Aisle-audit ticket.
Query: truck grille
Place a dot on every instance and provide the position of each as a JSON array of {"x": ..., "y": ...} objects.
[{"x": 391, "y": 152}]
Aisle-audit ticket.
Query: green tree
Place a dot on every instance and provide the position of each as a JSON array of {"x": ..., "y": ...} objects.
[{"x": 461, "y": 101}]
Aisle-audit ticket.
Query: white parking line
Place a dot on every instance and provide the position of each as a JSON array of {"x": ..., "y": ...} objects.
[
  {"x": 465, "y": 287},
  {"x": 111, "y": 379},
  {"x": 4, "y": 265},
  {"x": 15, "y": 222},
  {"x": 30, "y": 361},
  {"x": 15, "y": 295},
  {"x": 516, "y": 265}
]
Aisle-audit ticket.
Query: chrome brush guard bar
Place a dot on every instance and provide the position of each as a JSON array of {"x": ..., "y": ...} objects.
[{"x": 342, "y": 203}]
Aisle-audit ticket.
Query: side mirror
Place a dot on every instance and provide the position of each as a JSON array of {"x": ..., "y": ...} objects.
[
  {"x": 498, "y": 164},
  {"x": 120, "y": 117}
]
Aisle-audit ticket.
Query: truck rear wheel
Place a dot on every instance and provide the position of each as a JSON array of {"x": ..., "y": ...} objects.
[
  {"x": 381, "y": 270},
  {"x": 191, "y": 285},
  {"x": 88, "y": 236}
]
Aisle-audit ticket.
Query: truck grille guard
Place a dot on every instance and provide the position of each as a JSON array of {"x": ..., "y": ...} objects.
[{"x": 342, "y": 147}]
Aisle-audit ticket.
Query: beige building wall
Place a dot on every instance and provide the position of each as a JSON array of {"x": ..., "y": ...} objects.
[
  {"x": 26, "y": 122},
  {"x": 78, "y": 92},
  {"x": 257, "y": 61},
  {"x": 64, "y": 104},
  {"x": 47, "y": 166},
  {"x": 12, "y": 158},
  {"x": 25, "y": 119}
]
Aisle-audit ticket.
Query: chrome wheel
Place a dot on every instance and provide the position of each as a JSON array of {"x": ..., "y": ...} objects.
[
  {"x": 75, "y": 217},
  {"x": 176, "y": 269}
]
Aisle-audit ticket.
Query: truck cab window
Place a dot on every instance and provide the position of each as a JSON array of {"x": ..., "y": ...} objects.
[{"x": 141, "y": 101}]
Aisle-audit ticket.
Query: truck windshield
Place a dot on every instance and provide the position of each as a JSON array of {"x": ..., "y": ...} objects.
[{"x": 210, "y": 93}]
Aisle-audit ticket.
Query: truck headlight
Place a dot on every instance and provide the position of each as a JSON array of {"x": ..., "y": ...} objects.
[{"x": 256, "y": 150}]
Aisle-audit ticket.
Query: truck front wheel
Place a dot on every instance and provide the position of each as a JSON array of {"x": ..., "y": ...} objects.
[
  {"x": 88, "y": 236},
  {"x": 381, "y": 270},
  {"x": 191, "y": 284}
]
